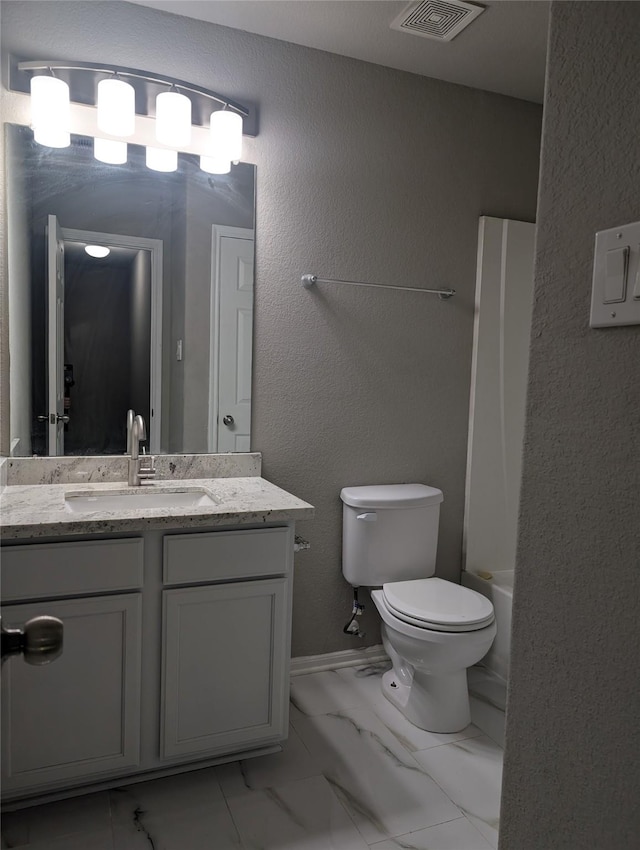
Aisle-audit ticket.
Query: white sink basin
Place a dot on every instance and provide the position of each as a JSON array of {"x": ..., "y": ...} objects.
[{"x": 133, "y": 501}]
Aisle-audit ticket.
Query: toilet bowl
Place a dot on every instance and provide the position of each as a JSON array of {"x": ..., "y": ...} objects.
[
  {"x": 428, "y": 680},
  {"x": 432, "y": 629}
]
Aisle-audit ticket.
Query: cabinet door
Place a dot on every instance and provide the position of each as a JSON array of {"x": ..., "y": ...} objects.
[
  {"x": 79, "y": 716},
  {"x": 225, "y": 672}
]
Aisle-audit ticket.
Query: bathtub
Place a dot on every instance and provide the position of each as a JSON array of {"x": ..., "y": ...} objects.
[{"x": 499, "y": 590}]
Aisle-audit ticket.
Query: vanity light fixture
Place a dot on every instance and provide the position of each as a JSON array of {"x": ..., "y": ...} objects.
[
  {"x": 215, "y": 164},
  {"x": 110, "y": 151},
  {"x": 97, "y": 251},
  {"x": 161, "y": 159},
  {"x": 116, "y": 111},
  {"x": 226, "y": 135},
  {"x": 116, "y": 107},
  {"x": 173, "y": 119},
  {"x": 50, "y": 111}
]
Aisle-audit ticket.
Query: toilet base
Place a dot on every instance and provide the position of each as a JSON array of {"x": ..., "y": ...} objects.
[{"x": 434, "y": 703}]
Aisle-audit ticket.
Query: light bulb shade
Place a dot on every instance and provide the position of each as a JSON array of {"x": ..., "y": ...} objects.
[
  {"x": 116, "y": 107},
  {"x": 50, "y": 111},
  {"x": 173, "y": 119},
  {"x": 226, "y": 134},
  {"x": 109, "y": 151},
  {"x": 161, "y": 159},
  {"x": 98, "y": 251},
  {"x": 215, "y": 164}
]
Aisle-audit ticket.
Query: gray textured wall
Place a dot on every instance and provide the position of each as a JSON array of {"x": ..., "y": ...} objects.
[
  {"x": 363, "y": 173},
  {"x": 573, "y": 735}
]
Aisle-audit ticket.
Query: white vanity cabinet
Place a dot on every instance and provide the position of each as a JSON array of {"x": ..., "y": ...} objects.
[
  {"x": 176, "y": 651},
  {"x": 225, "y": 645},
  {"x": 77, "y": 718}
]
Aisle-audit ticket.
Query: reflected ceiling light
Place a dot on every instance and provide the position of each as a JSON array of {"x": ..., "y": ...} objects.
[
  {"x": 173, "y": 119},
  {"x": 215, "y": 164},
  {"x": 226, "y": 134},
  {"x": 50, "y": 112},
  {"x": 116, "y": 107},
  {"x": 110, "y": 151},
  {"x": 98, "y": 251},
  {"x": 161, "y": 159}
]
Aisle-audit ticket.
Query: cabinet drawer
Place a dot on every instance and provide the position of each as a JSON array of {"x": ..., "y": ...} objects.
[
  {"x": 225, "y": 555},
  {"x": 71, "y": 569}
]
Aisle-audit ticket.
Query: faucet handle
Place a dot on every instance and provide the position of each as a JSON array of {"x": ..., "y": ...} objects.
[{"x": 146, "y": 474}]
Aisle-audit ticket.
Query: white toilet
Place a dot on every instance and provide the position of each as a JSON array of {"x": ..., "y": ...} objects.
[{"x": 432, "y": 629}]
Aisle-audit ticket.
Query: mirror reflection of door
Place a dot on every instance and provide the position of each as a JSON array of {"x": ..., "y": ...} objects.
[
  {"x": 105, "y": 359},
  {"x": 55, "y": 415},
  {"x": 232, "y": 323}
]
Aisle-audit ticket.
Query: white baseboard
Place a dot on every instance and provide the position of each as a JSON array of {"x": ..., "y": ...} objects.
[{"x": 332, "y": 660}]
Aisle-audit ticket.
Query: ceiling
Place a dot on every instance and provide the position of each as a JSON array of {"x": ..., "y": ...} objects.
[{"x": 503, "y": 50}]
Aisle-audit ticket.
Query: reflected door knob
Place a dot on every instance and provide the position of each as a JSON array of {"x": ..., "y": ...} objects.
[
  {"x": 53, "y": 418},
  {"x": 228, "y": 419}
]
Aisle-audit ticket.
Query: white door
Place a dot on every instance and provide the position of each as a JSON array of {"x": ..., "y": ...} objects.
[
  {"x": 55, "y": 336},
  {"x": 233, "y": 291}
]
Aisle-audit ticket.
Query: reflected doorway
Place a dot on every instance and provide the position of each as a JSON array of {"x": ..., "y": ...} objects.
[{"x": 104, "y": 346}]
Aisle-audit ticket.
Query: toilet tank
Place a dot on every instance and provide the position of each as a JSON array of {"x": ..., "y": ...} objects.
[{"x": 389, "y": 533}]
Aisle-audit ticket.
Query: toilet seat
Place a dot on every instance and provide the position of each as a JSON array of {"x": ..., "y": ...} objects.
[{"x": 437, "y": 605}]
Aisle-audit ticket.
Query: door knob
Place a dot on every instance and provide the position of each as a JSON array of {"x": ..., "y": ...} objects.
[
  {"x": 228, "y": 419},
  {"x": 53, "y": 418},
  {"x": 39, "y": 640}
]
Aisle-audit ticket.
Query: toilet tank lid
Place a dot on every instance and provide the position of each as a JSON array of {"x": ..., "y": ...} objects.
[{"x": 391, "y": 496}]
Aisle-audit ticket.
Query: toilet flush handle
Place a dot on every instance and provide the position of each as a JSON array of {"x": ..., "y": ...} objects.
[{"x": 369, "y": 517}]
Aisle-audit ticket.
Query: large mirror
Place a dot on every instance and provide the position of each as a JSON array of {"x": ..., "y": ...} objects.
[{"x": 128, "y": 288}]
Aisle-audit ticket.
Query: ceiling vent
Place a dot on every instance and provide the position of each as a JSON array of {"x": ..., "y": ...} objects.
[{"x": 439, "y": 19}]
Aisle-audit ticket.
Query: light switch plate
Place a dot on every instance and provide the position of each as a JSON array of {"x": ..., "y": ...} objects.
[{"x": 615, "y": 295}]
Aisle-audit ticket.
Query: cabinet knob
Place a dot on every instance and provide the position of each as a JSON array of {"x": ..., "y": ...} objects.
[{"x": 39, "y": 640}]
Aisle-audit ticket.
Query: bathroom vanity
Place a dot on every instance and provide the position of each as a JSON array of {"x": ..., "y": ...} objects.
[{"x": 176, "y": 625}]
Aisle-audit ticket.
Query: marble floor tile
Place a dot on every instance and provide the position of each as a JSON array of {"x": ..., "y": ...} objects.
[
  {"x": 470, "y": 772},
  {"x": 383, "y": 788},
  {"x": 100, "y": 840},
  {"x": 182, "y": 812},
  {"x": 89, "y": 813},
  {"x": 484, "y": 683},
  {"x": 254, "y": 774},
  {"x": 193, "y": 789},
  {"x": 302, "y": 815},
  {"x": 15, "y": 829},
  {"x": 487, "y": 693},
  {"x": 208, "y": 828},
  {"x": 457, "y": 834},
  {"x": 323, "y": 693},
  {"x": 488, "y": 718}
]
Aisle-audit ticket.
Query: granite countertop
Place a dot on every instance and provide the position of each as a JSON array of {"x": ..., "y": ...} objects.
[{"x": 39, "y": 510}]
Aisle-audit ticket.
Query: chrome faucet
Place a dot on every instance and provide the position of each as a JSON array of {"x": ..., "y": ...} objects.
[{"x": 139, "y": 474}]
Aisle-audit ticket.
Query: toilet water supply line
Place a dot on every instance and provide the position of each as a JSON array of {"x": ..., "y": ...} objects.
[{"x": 352, "y": 627}]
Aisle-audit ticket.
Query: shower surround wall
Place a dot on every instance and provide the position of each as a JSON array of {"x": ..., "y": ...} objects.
[
  {"x": 364, "y": 173},
  {"x": 572, "y": 771}
]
